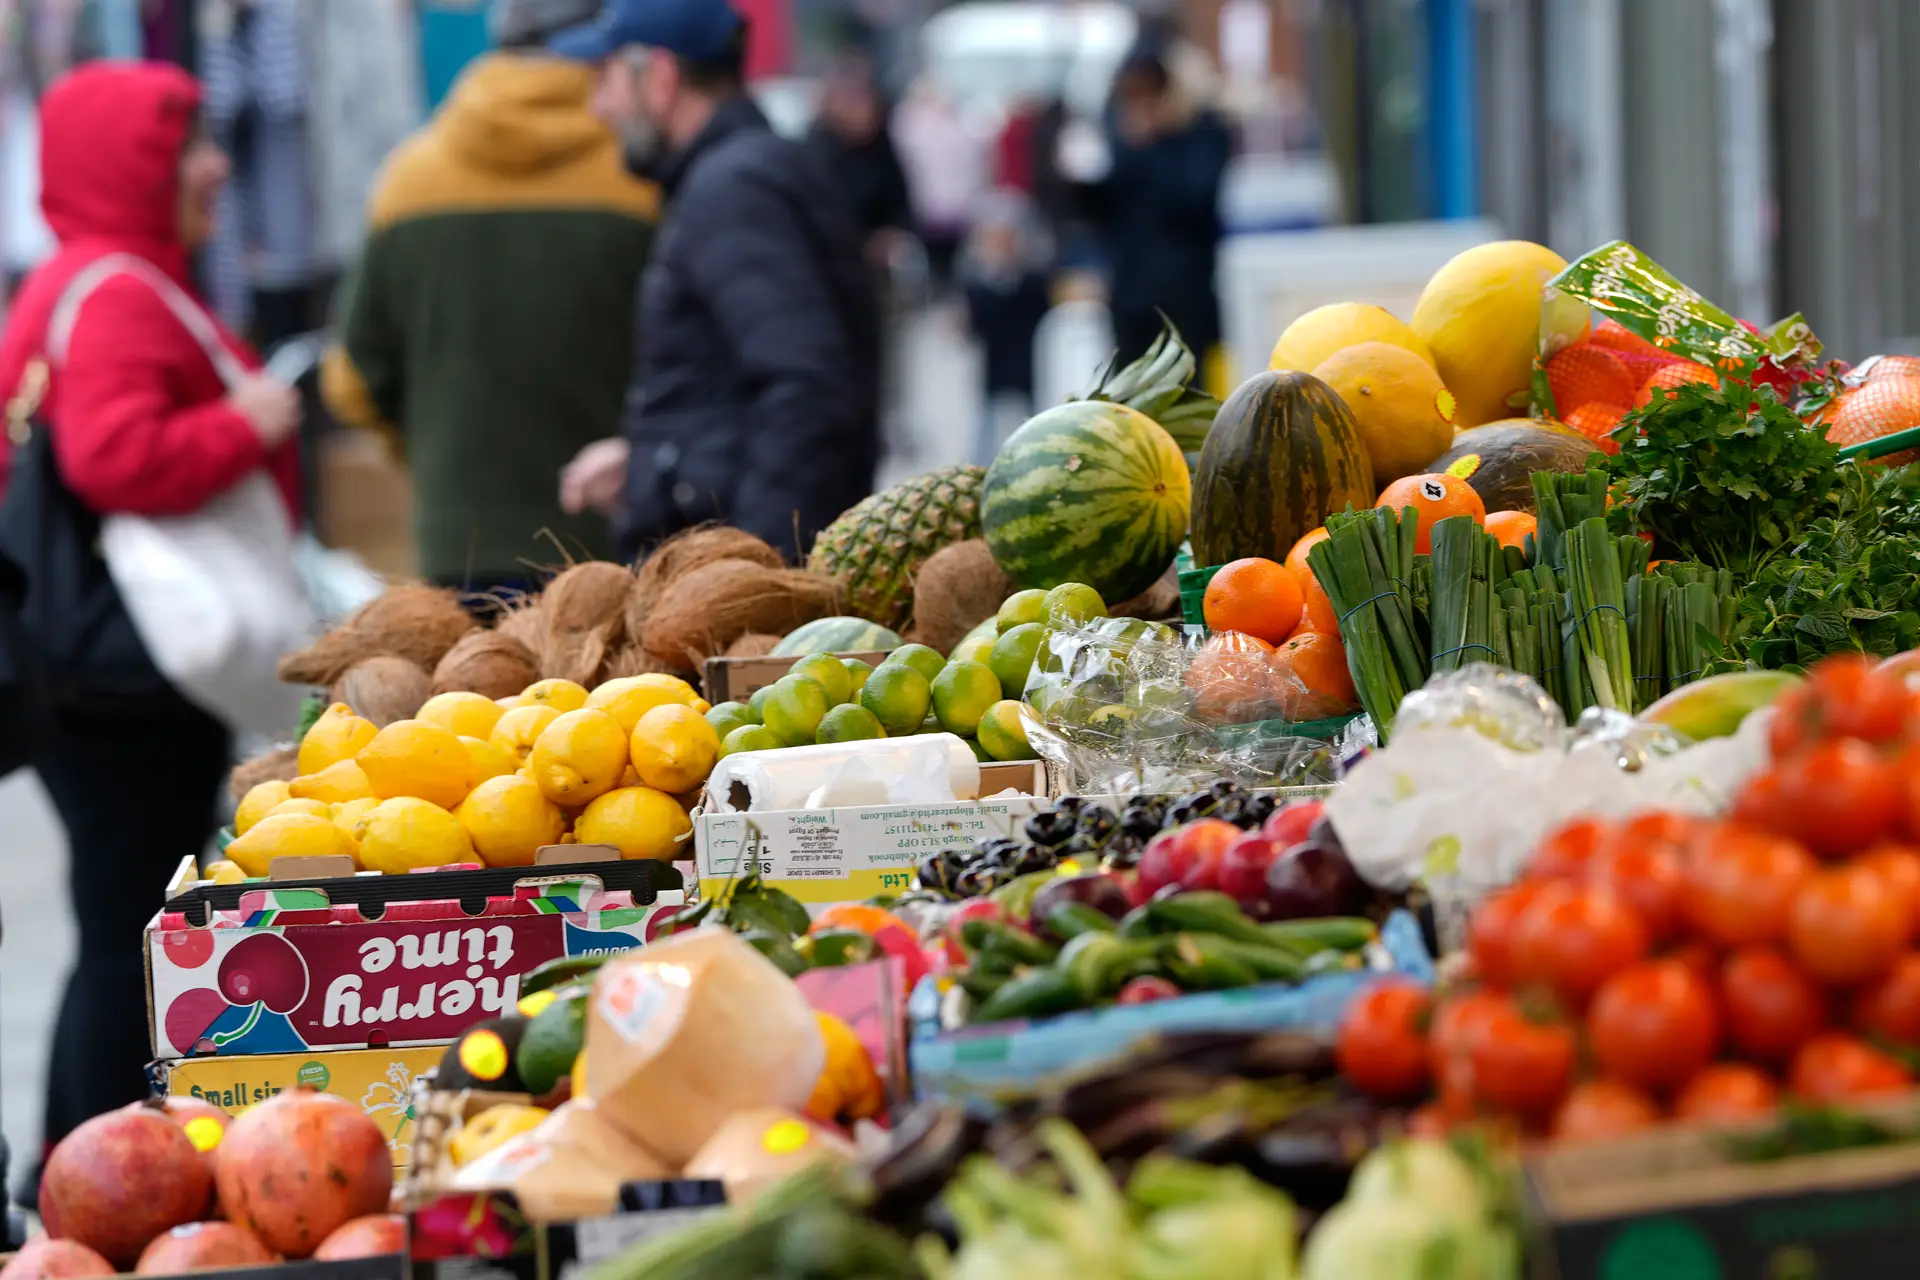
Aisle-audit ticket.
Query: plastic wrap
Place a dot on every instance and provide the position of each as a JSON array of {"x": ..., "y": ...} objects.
[{"x": 928, "y": 768}]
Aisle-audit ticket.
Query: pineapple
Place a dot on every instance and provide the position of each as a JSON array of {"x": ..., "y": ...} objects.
[{"x": 876, "y": 548}]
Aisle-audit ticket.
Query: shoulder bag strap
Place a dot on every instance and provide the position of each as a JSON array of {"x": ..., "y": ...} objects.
[{"x": 191, "y": 315}]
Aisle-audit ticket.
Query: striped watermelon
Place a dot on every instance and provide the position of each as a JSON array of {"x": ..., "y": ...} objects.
[
  {"x": 836, "y": 635},
  {"x": 1087, "y": 492}
]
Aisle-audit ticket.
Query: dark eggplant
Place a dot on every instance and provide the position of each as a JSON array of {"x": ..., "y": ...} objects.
[
  {"x": 924, "y": 1153},
  {"x": 1094, "y": 889},
  {"x": 1311, "y": 1155},
  {"x": 1312, "y": 880}
]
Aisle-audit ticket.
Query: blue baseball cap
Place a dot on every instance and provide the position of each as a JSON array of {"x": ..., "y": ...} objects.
[{"x": 699, "y": 30}]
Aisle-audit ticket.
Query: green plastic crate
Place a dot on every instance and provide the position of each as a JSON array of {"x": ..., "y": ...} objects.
[{"x": 1193, "y": 593}]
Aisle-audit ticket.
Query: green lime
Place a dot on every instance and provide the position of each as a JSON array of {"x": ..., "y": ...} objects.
[
  {"x": 1003, "y": 732},
  {"x": 927, "y": 661},
  {"x": 850, "y": 722},
  {"x": 899, "y": 696},
  {"x": 961, "y": 695},
  {"x": 979, "y": 752},
  {"x": 989, "y": 628},
  {"x": 975, "y": 649},
  {"x": 729, "y": 716},
  {"x": 757, "y": 704},
  {"x": 1021, "y": 608},
  {"x": 750, "y": 737},
  {"x": 858, "y": 671},
  {"x": 831, "y": 674},
  {"x": 1013, "y": 655},
  {"x": 1073, "y": 604},
  {"x": 795, "y": 708}
]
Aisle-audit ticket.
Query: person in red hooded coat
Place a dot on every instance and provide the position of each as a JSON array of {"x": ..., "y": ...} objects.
[{"x": 141, "y": 422}]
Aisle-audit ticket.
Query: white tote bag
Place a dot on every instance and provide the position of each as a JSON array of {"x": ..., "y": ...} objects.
[{"x": 216, "y": 596}]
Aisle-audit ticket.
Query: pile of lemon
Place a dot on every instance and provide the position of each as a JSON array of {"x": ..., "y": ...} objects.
[{"x": 471, "y": 779}]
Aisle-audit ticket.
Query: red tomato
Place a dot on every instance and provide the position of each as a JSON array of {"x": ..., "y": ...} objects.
[
  {"x": 1835, "y": 797},
  {"x": 1772, "y": 1007},
  {"x": 1564, "y": 854},
  {"x": 1459, "y": 1023},
  {"x": 1491, "y": 931},
  {"x": 1741, "y": 884},
  {"x": 1288, "y": 825},
  {"x": 1898, "y": 866},
  {"x": 1654, "y": 1025},
  {"x": 1648, "y": 877},
  {"x": 1382, "y": 1046},
  {"x": 1727, "y": 1091},
  {"x": 1660, "y": 827},
  {"x": 1146, "y": 989},
  {"x": 1833, "y": 1068},
  {"x": 1844, "y": 698},
  {"x": 1597, "y": 1110},
  {"x": 1890, "y": 1008},
  {"x": 1846, "y": 927},
  {"x": 1575, "y": 937},
  {"x": 1522, "y": 1067}
]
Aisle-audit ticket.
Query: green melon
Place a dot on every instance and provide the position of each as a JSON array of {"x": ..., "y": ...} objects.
[
  {"x": 836, "y": 635},
  {"x": 1283, "y": 455},
  {"x": 1087, "y": 492},
  {"x": 1499, "y": 459}
]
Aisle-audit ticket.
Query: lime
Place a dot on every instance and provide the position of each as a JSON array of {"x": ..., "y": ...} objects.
[
  {"x": 729, "y": 716},
  {"x": 1073, "y": 604},
  {"x": 750, "y": 737},
  {"x": 831, "y": 674},
  {"x": 899, "y": 696},
  {"x": 757, "y": 705},
  {"x": 974, "y": 649},
  {"x": 927, "y": 661},
  {"x": 850, "y": 722},
  {"x": 1021, "y": 608},
  {"x": 795, "y": 707},
  {"x": 979, "y": 752},
  {"x": 859, "y": 671},
  {"x": 988, "y": 628},
  {"x": 961, "y": 695},
  {"x": 1013, "y": 655},
  {"x": 1003, "y": 732}
]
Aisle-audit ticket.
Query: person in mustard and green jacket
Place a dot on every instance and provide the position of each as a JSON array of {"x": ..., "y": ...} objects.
[{"x": 489, "y": 323}]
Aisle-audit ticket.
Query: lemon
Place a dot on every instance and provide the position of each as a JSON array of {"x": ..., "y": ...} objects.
[
  {"x": 520, "y": 728},
  {"x": 1404, "y": 412},
  {"x": 682, "y": 691},
  {"x": 465, "y": 715},
  {"x": 225, "y": 871},
  {"x": 794, "y": 708},
  {"x": 407, "y": 833},
  {"x": 1319, "y": 333},
  {"x": 414, "y": 758},
  {"x": 337, "y": 735},
  {"x": 340, "y": 781},
  {"x": 701, "y": 705},
  {"x": 829, "y": 673},
  {"x": 287, "y": 835},
  {"x": 1003, "y": 732},
  {"x": 962, "y": 693},
  {"x": 579, "y": 756},
  {"x": 257, "y": 804},
  {"x": 674, "y": 749},
  {"x": 899, "y": 696},
  {"x": 1485, "y": 319},
  {"x": 303, "y": 804},
  {"x": 347, "y": 816},
  {"x": 509, "y": 819},
  {"x": 489, "y": 760},
  {"x": 638, "y": 821},
  {"x": 629, "y": 698},
  {"x": 561, "y": 695}
]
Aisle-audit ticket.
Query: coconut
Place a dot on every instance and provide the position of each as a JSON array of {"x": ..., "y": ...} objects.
[
  {"x": 384, "y": 689},
  {"x": 685, "y": 552},
  {"x": 412, "y": 621},
  {"x": 490, "y": 663},
  {"x": 706, "y": 609},
  {"x": 632, "y": 660},
  {"x": 279, "y": 765},
  {"x": 752, "y": 645},
  {"x": 957, "y": 589},
  {"x": 525, "y": 623},
  {"x": 583, "y": 609}
]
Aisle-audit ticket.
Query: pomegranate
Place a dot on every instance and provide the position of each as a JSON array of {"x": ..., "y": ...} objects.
[
  {"x": 373, "y": 1236},
  {"x": 44, "y": 1258},
  {"x": 121, "y": 1179},
  {"x": 203, "y": 1246},
  {"x": 300, "y": 1165}
]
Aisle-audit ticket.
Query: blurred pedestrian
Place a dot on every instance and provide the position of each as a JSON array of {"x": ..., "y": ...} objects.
[
  {"x": 1007, "y": 297},
  {"x": 1158, "y": 206},
  {"x": 490, "y": 318},
  {"x": 108, "y": 349},
  {"x": 756, "y": 399},
  {"x": 850, "y": 135},
  {"x": 946, "y": 171}
]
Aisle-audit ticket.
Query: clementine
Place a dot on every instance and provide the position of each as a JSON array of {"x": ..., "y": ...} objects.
[
  {"x": 1677, "y": 374},
  {"x": 1433, "y": 497},
  {"x": 1511, "y": 527},
  {"x": 1256, "y": 596},
  {"x": 1309, "y": 679},
  {"x": 1297, "y": 558},
  {"x": 1596, "y": 422},
  {"x": 1229, "y": 679},
  {"x": 1587, "y": 374},
  {"x": 1318, "y": 615}
]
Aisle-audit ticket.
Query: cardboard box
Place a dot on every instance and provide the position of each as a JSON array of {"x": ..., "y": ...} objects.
[
  {"x": 286, "y": 970},
  {"x": 380, "y": 1081},
  {"x": 737, "y": 679},
  {"x": 366, "y": 502},
  {"x": 1672, "y": 1203}
]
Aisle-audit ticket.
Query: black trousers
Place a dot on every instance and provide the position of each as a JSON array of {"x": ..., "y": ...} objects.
[{"x": 135, "y": 796}]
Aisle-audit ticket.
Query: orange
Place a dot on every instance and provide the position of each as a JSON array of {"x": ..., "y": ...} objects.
[
  {"x": 1297, "y": 558},
  {"x": 1256, "y": 596},
  {"x": 1588, "y": 374},
  {"x": 1308, "y": 677},
  {"x": 861, "y": 917},
  {"x": 1433, "y": 497},
  {"x": 1229, "y": 679},
  {"x": 1677, "y": 374},
  {"x": 1612, "y": 334},
  {"x": 1881, "y": 406},
  {"x": 1318, "y": 615},
  {"x": 1511, "y": 527},
  {"x": 1596, "y": 422},
  {"x": 1890, "y": 367}
]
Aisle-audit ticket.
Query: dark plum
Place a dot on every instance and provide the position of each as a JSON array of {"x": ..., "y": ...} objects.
[
  {"x": 1093, "y": 889},
  {"x": 1312, "y": 880}
]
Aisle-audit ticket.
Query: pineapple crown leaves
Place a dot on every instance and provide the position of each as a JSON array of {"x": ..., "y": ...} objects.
[{"x": 1157, "y": 385}]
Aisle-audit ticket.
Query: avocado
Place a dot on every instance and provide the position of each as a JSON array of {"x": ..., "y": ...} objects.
[
  {"x": 553, "y": 1039},
  {"x": 484, "y": 1057}
]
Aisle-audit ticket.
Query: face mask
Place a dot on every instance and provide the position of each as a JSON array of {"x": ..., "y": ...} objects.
[{"x": 644, "y": 147}]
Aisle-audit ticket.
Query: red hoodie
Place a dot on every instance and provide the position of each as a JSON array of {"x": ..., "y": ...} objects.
[{"x": 137, "y": 410}]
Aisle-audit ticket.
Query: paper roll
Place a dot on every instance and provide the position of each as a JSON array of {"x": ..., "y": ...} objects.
[{"x": 931, "y": 768}]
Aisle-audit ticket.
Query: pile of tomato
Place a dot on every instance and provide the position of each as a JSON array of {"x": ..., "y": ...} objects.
[{"x": 1676, "y": 968}]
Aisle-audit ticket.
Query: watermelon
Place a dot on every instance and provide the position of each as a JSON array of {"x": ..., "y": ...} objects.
[
  {"x": 1499, "y": 459},
  {"x": 836, "y": 635},
  {"x": 1283, "y": 455},
  {"x": 1087, "y": 492}
]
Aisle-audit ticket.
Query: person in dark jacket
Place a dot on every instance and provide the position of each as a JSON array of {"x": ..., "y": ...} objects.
[
  {"x": 756, "y": 397},
  {"x": 1159, "y": 206},
  {"x": 1007, "y": 297},
  {"x": 850, "y": 135}
]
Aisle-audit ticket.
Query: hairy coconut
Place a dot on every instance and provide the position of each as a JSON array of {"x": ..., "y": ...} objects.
[
  {"x": 752, "y": 645},
  {"x": 957, "y": 589},
  {"x": 490, "y": 663},
  {"x": 279, "y": 765},
  {"x": 706, "y": 609},
  {"x": 412, "y": 621},
  {"x": 385, "y": 689},
  {"x": 526, "y": 622},
  {"x": 583, "y": 608},
  {"x": 633, "y": 660},
  {"x": 684, "y": 552}
]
